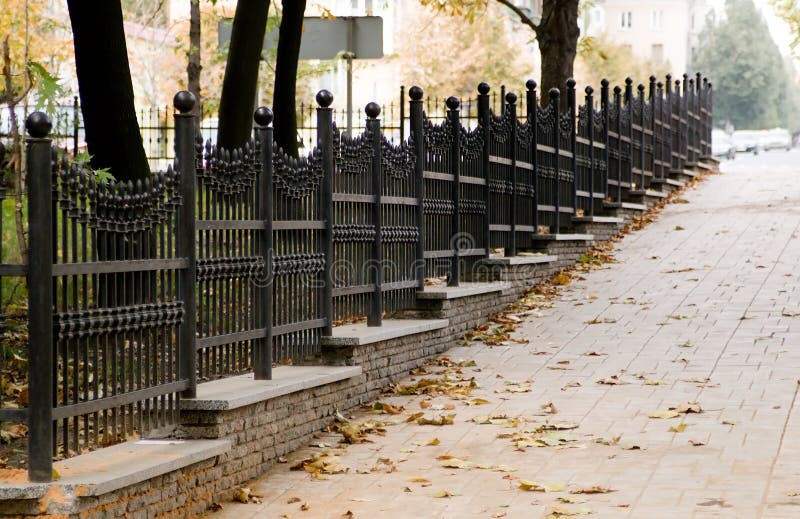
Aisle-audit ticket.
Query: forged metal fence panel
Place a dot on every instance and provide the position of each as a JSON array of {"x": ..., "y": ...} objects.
[
  {"x": 590, "y": 161},
  {"x": 230, "y": 263},
  {"x": 661, "y": 129},
  {"x": 638, "y": 167},
  {"x": 354, "y": 225},
  {"x": 614, "y": 176},
  {"x": 400, "y": 229},
  {"x": 547, "y": 142},
  {"x": 116, "y": 307},
  {"x": 566, "y": 161}
]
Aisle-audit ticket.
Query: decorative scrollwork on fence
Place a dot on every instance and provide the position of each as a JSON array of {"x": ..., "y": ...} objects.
[
  {"x": 397, "y": 161},
  {"x": 500, "y": 126},
  {"x": 438, "y": 207},
  {"x": 613, "y": 112},
  {"x": 399, "y": 234},
  {"x": 583, "y": 118},
  {"x": 546, "y": 172},
  {"x": 524, "y": 134},
  {"x": 241, "y": 267},
  {"x": 566, "y": 125},
  {"x": 113, "y": 206},
  {"x": 636, "y": 108},
  {"x": 100, "y": 321},
  {"x": 230, "y": 172},
  {"x": 298, "y": 264},
  {"x": 352, "y": 155},
  {"x": 471, "y": 142},
  {"x": 352, "y": 233},
  {"x": 545, "y": 119},
  {"x": 566, "y": 175},
  {"x": 438, "y": 137},
  {"x": 297, "y": 177},
  {"x": 599, "y": 122},
  {"x": 473, "y": 207}
]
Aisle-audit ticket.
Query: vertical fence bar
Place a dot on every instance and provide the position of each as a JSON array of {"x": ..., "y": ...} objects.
[
  {"x": 668, "y": 100},
  {"x": 589, "y": 100},
  {"x": 262, "y": 355},
  {"x": 642, "y": 154},
  {"x": 402, "y": 113},
  {"x": 325, "y": 145},
  {"x": 629, "y": 135},
  {"x": 453, "y": 105},
  {"x": 573, "y": 143},
  {"x": 511, "y": 107},
  {"x": 418, "y": 140},
  {"x": 531, "y": 105},
  {"x": 606, "y": 153},
  {"x": 40, "y": 298},
  {"x": 373, "y": 110},
  {"x": 653, "y": 138},
  {"x": 485, "y": 120},
  {"x": 554, "y": 105},
  {"x": 185, "y": 234}
]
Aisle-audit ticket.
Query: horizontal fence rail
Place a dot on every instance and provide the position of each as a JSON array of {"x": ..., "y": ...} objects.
[{"x": 229, "y": 261}]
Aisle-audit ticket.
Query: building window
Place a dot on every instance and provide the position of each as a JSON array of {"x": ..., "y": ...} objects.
[
  {"x": 657, "y": 19},
  {"x": 657, "y": 52},
  {"x": 626, "y": 18}
]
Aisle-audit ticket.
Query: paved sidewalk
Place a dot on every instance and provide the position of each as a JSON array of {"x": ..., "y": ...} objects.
[{"x": 710, "y": 290}]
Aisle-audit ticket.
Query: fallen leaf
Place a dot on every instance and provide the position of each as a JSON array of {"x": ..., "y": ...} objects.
[
  {"x": 594, "y": 354},
  {"x": 664, "y": 414},
  {"x": 304, "y": 507},
  {"x": 696, "y": 443},
  {"x": 685, "y": 344},
  {"x": 433, "y": 442},
  {"x": 531, "y": 486},
  {"x": 568, "y": 385},
  {"x": 476, "y": 401},
  {"x": 419, "y": 480},
  {"x": 293, "y": 500},
  {"x": 613, "y": 441},
  {"x": 613, "y": 380},
  {"x": 549, "y": 408},
  {"x": 443, "y": 493},
  {"x": 241, "y": 494},
  {"x": 558, "y": 511},
  {"x": 440, "y": 420},
  {"x": 522, "y": 388},
  {"x": 573, "y": 500},
  {"x": 592, "y": 490},
  {"x": 678, "y": 428},
  {"x": 414, "y": 417},
  {"x": 728, "y": 422},
  {"x": 649, "y": 382}
]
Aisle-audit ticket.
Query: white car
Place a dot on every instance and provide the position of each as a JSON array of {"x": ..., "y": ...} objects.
[
  {"x": 722, "y": 146},
  {"x": 747, "y": 141},
  {"x": 778, "y": 139}
]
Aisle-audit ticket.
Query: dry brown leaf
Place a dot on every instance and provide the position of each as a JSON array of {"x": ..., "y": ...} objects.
[
  {"x": 293, "y": 500},
  {"x": 613, "y": 380},
  {"x": 440, "y": 420},
  {"x": 531, "y": 486},
  {"x": 696, "y": 443},
  {"x": 592, "y": 490}
]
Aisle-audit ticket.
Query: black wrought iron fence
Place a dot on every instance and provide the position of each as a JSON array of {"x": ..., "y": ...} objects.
[{"x": 231, "y": 260}]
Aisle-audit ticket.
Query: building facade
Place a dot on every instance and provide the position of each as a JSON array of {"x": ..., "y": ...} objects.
[{"x": 660, "y": 30}]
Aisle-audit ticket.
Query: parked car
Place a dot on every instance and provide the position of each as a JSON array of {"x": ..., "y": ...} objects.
[
  {"x": 722, "y": 146},
  {"x": 747, "y": 141},
  {"x": 777, "y": 139}
]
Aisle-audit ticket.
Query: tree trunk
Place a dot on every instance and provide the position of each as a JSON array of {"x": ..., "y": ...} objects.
[
  {"x": 106, "y": 91},
  {"x": 283, "y": 103},
  {"x": 237, "y": 101},
  {"x": 194, "y": 67},
  {"x": 558, "y": 41}
]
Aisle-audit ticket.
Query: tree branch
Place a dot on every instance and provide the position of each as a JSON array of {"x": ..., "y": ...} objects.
[{"x": 524, "y": 18}]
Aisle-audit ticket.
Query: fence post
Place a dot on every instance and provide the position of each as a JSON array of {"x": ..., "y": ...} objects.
[
  {"x": 262, "y": 361},
  {"x": 40, "y": 298},
  {"x": 604, "y": 110},
  {"x": 642, "y": 153},
  {"x": 573, "y": 143},
  {"x": 685, "y": 117},
  {"x": 418, "y": 140},
  {"x": 652, "y": 102},
  {"x": 618, "y": 105},
  {"x": 554, "y": 106},
  {"x": 511, "y": 107},
  {"x": 325, "y": 145},
  {"x": 373, "y": 110},
  {"x": 629, "y": 109},
  {"x": 531, "y": 106},
  {"x": 589, "y": 100},
  {"x": 485, "y": 120},
  {"x": 185, "y": 158},
  {"x": 662, "y": 129},
  {"x": 455, "y": 170},
  {"x": 668, "y": 99},
  {"x": 710, "y": 124}
]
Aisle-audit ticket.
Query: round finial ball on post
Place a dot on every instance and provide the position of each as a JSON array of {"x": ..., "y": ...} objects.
[
  {"x": 530, "y": 84},
  {"x": 452, "y": 103},
  {"x": 659, "y": 85},
  {"x": 640, "y": 88},
  {"x": 483, "y": 88},
  {"x": 184, "y": 101},
  {"x": 554, "y": 93},
  {"x": 373, "y": 110},
  {"x": 511, "y": 98},
  {"x": 604, "y": 83},
  {"x": 263, "y": 116},
  {"x": 324, "y": 98},
  {"x": 571, "y": 83},
  {"x": 589, "y": 90},
  {"x": 653, "y": 79},
  {"x": 38, "y": 125},
  {"x": 628, "y": 81},
  {"x": 415, "y": 93},
  {"x": 617, "y": 89}
]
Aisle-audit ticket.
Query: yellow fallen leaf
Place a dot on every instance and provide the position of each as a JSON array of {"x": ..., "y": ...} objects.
[
  {"x": 649, "y": 382},
  {"x": 419, "y": 480},
  {"x": 678, "y": 428},
  {"x": 531, "y": 486},
  {"x": 443, "y": 493},
  {"x": 558, "y": 511},
  {"x": 664, "y": 414},
  {"x": 241, "y": 494},
  {"x": 476, "y": 401},
  {"x": 613, "y": 441},
  {"x": 573, "y": 500},
  {"x": 592, "y": 490},
  {"x": 433, "y": 442}
]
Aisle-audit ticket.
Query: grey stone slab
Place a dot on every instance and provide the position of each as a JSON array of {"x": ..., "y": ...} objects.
[
  {"x": 626, "y": 205},
  {"x": 112, "y": 468},
  {"x": 520, "y": 260},
  {"x": 597, "y": 219},
  {"x": 361, "y": 334},
  {"x": 463, "y": 290},
  {"x": 563, "y": 237},
  {"x": 648, "y": 192},
  {"x": 235, "y": 392}
]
